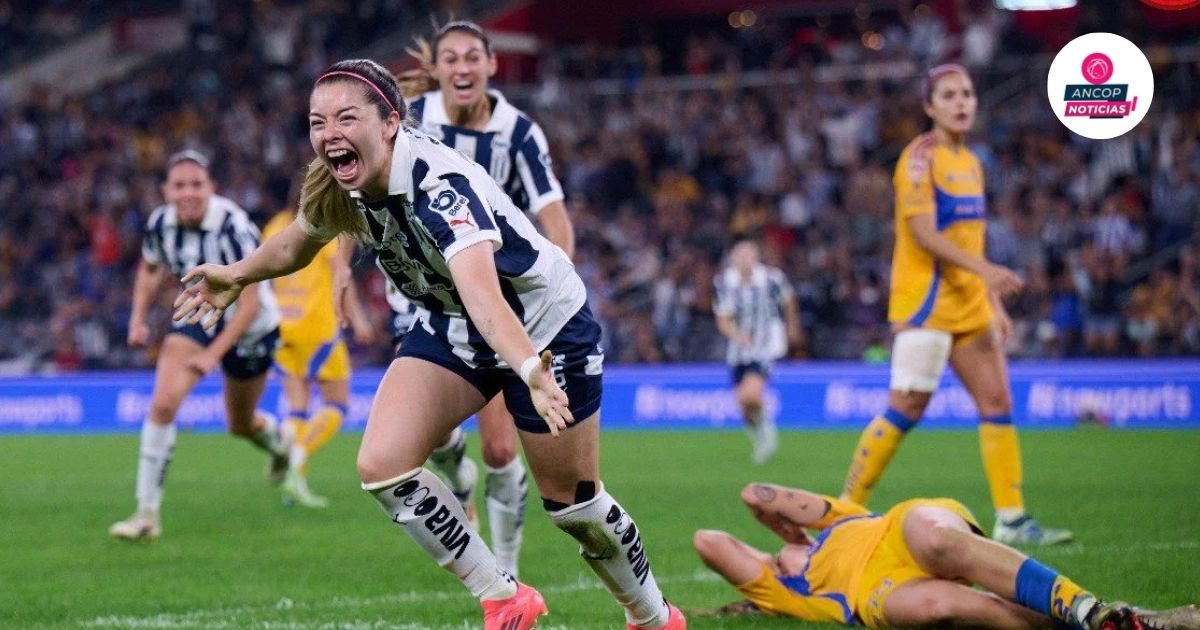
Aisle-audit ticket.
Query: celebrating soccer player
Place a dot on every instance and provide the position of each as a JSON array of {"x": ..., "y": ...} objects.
[
  {"x": 194, "y": 227},
  {"x": 499, "y": 308}
]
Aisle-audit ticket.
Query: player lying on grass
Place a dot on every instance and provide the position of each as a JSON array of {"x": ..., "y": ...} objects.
[{"x": 914, "y": 565}]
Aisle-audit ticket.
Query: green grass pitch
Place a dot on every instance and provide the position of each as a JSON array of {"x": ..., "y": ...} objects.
[{"x": 233, "y": 557}]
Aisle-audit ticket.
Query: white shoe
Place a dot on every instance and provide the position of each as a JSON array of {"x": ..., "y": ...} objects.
[
  {"x": 296, "y": 492},
  {"x": 142, "y": 527},
  {"x": 277, "y": 464},
  {"x": 1027, "y": 531},
  {"x": 468, "y": 480}
]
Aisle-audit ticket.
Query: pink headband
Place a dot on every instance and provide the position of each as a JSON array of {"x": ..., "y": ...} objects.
[
  {"x": 360, "y": 78},
  {"x": 936, "y": 73}
]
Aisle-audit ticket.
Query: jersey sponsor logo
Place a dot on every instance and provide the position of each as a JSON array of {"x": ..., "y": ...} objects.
[
  {"x": 627, "y": 532},
  {"x": 445, "y": 201},
  {"x": 463, "y": 222},
  {"x": 452, "y": 534}
]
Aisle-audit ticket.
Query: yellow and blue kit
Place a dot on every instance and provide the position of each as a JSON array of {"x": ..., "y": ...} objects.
[
  {"x": 946, "y": 181},
  {"x": 853, "y": 565},
  {"x": 311, "y": 346}
]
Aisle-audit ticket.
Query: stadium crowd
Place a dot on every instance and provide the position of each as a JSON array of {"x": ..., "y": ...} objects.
[{"x": 1107, "y": 234}]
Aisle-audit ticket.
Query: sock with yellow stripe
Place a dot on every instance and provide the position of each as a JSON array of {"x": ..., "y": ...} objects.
[
  {"x": 1001, "y": 452},
  {"x": 1042, "y": 589},
  {"x": 876, "y": 446}
]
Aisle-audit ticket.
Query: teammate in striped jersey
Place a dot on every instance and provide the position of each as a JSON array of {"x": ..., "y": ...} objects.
[
  {"x": 491, "y": 294},
  {"x": 312, "y": 350},
  {"x": 196, "y": 227},
  {"x": 756, "y": 311},
  {"x": 945, "y": 306},
  {"x": 451, "y": 102}
]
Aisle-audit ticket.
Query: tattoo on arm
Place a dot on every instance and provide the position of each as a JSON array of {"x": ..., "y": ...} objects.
[{"x": 765, "y": 493}]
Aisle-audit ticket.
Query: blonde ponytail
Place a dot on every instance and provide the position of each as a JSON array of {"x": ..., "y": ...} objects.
[
  {"x": 325, "y": 205},
  {"x": 419, "y": 80}
]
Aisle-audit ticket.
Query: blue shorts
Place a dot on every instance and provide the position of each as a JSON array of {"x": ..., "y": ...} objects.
[
  {"x": 578, "y": 369},
  {"x": 740, "y": 370},
  {"x": 245, "y": 359}
]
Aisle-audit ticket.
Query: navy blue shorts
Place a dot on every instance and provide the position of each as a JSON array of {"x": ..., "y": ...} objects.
[
  {"x": 577, "y": 367},
  {"x": 754, "y": 367},
  {"x": 245, "y": 359}
]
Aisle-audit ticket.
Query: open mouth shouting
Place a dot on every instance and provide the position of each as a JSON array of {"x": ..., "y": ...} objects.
[
  {"x": 345, "y": 164},
  {"x": 464, "y": 90}
]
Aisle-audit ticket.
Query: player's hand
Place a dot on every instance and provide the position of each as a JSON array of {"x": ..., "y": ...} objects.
[
  {"x": 139, "y": 334},
  {"x": 549, "y": 399},
  {"x": 1001, "y": 280},
  {"x": 1004, "y": 326},
  {"x": 363, "y": 332},
  {"x": 201, "y": 363},
  {"x": 343, "y": 279},
  {"x": 208, "y": 291},
  {"x": 744, "y": 339}
]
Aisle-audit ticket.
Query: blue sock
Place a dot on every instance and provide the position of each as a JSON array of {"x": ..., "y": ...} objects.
[{"x": 1035, "y": 586}]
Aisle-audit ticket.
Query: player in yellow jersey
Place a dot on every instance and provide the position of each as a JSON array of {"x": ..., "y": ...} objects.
[
  {"x": 912, "y": 566},
  {"x": 312, "y": 350},
  {"x": 946, "y": 306}
]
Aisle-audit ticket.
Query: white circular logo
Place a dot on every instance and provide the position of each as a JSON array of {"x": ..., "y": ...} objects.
[{"x": 1100, "y": 85}]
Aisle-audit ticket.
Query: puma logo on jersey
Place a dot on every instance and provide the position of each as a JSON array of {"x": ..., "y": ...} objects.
[{"x": 464, "y": 221}]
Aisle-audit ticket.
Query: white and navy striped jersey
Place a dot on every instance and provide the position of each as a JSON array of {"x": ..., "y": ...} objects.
[
  {"x": 225, "y": 236},
  {"x": 511, "y": 147},
  {"x": 440, "y": 202},
  {"x": 757, "y": 308}
]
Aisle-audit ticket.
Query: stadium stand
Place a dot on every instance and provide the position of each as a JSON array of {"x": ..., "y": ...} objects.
[{"x": 660, "y": 170}]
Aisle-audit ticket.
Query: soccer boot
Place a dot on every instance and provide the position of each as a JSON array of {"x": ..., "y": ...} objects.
[
  {"x": 1181, "y": 618},
  {"x": 141, "y": 527},
  {"x": 1108, "y": 616},
  {"x": 468, "y": 480},
  {"x": 1027, "y": 531},
  {"x": 675, "y": 621},
  {"x": 296, "y": 492},
  {"x": 519, "y": 612}
]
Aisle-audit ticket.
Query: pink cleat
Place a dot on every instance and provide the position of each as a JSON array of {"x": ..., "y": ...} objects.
[
  {"x": 519, "y": 612},
  {"x": 675, "y": 621}
]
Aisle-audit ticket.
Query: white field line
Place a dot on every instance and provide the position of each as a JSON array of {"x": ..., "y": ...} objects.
[{"x": 236, "y": 617}]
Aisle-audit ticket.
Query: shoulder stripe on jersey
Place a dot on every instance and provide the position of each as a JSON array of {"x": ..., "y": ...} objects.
[
  {"x": 520, "y": 131},
  {"x": 417, "y": 109},
  {"x": 533, "y": 159}
]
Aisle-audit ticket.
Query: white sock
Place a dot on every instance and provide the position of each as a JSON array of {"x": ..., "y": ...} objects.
[
  {"x": 158, "y": 441},
  {"x": 610, "y": 543},
  {"x": 269, "y": 438},
  {"x": 506, "y": 492},
  {"x": 754, "y": 423},
  {"x": 296, "y": 457},
  {"x": 1008, "y": 515},
  {"x": 448, "y": 459},
  {"x": 421, "y": 503}
]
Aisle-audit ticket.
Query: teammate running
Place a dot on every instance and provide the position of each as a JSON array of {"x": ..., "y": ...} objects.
[
  {"x": 913, "y": 566},
  {"x": 491, "y": 294},
  {"x": 756, "y": 311},
  {"x": 312, "y": 349},
  {"x": 194, "y": 227},
  {"x": 946, "y": 305}
]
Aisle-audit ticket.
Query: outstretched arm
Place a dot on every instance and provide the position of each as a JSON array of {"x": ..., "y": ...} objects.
[
  {"x": 790, "y": 511},
  {"x": 210, "y": 289},
  {"x": 474, "y": 272}
]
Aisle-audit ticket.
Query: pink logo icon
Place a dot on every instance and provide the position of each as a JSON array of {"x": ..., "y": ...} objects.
[{"x": 1097, "y": 68}]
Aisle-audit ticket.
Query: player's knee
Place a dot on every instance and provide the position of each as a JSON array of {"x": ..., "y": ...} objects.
[
  {"x": 995, "y": 402},
  {"x": 498, "y": 453},
  {"x": 911, "y": 405},
  {"x": 941, "y": 609},
  {"x": 373, "y": 467},
  {"x": 162, "y": 410},
  {"x": 942, "y": 544}
]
